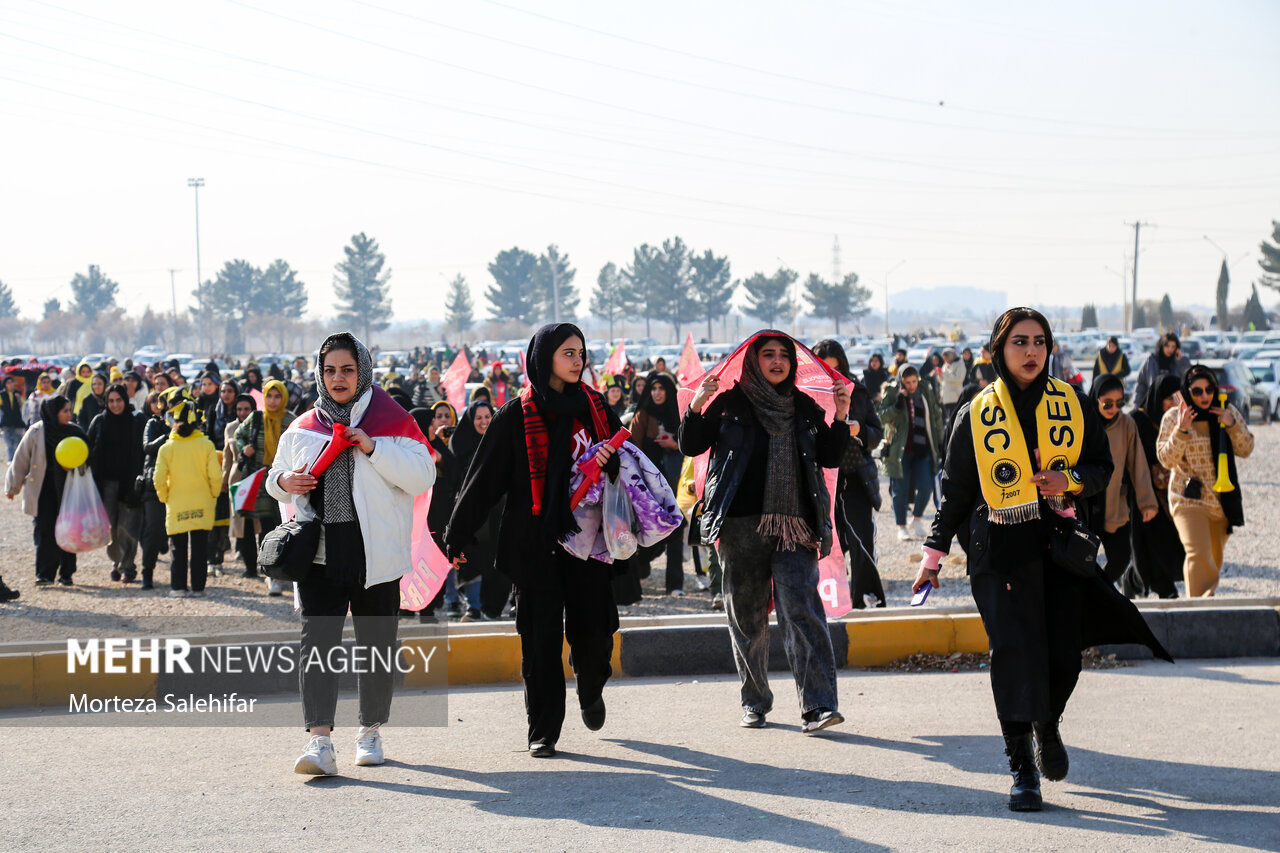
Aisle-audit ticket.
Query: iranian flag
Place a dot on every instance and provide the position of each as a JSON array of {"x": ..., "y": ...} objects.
[{"x": 244, "y": 494}]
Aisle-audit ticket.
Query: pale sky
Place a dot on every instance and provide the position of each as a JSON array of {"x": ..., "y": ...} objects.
[{"x": 994, "y": 144}]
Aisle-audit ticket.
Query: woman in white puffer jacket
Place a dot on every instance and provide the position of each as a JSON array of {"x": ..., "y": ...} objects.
[{"x": 364, "y": 500}]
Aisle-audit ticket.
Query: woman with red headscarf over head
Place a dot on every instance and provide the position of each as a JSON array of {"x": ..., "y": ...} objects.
[{"x": 767, "y": 505}]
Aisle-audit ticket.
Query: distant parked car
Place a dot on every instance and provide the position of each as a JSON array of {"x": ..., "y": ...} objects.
[{"x": 1266, "y": 374}]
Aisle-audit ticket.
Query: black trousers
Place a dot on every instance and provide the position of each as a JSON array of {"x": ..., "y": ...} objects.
[
  {"x": 199, "y": 541},
  {"x": 1119, "y": 549},
  {"x": 374, "y": 613},
  {"x": 1032, "y": 615},
  {"x": 572, "y": 600},
  {"x": 856, "y": 527},
  {"x": 153, "y": 534},
  {"x": 248, "y": 544},
  {"x": 51, "y": 561},
  {"x": 495, "y": 591}
]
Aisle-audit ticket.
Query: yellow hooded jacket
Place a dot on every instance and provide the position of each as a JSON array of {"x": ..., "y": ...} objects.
[{"x": 188, "y": 480}]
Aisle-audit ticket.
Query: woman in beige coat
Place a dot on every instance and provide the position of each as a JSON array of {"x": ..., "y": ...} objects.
[
  {"x": 1188, "y": 446},
  {"x": 244, "y": 407}
]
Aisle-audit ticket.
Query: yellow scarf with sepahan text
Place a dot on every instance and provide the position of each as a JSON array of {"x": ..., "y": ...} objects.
[{"x": 1004, "y": 464}]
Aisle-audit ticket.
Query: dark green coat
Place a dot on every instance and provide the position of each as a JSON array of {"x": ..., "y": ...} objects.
[{"x": 894, "y": 420}]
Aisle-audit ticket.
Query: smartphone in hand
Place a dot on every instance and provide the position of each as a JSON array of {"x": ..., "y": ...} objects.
[{"x": 919, "y": 597}]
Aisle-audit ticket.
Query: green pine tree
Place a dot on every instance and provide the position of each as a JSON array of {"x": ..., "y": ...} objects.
[
  {"x": 767, "y": 295},
  {"x": 514, "y": 296},
  {"x": 459, "y": 311},
  {"x": 711, "y": 285},
  {"x": 361, "y": 286},
  {"x": 8, "y": 307},
  {"x": 93, "y": 293},
  {"x": 552, "y": 275},
  {"x": 609, "y": 299},
  {"x": 1166, "y": 313},
  {"x": 1270, "y": 260}
]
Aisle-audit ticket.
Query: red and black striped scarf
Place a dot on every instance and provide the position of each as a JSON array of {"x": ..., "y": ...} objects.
[{"x": 536, "y": 438}]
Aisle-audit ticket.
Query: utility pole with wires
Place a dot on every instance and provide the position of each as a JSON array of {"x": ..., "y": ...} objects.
[
  {"x": 835, "y": 260},
  {"x": 173, "y": 295},
  {"x": 1137, "y": 230},
  {"x": 196, "y": 184}
]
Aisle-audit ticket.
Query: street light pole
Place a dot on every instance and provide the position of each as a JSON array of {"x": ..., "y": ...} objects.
[
  {"x": 886, "y": 295},
  {"x": 195, "y": 184}
]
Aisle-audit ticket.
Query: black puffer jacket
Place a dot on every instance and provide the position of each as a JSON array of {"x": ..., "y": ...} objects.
[
  {"x": 154, "y": 435},
  {"x": 729, "y": 428}
]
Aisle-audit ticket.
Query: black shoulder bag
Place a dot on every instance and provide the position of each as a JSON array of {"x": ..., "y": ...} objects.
[
  {"x": 1074, "y": 547},
  {"x": 288, "y": 552}
]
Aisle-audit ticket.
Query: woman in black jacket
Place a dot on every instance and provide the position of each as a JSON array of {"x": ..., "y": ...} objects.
[
  {"x": 858, "y": 486},
  {"x": 115, "y": 456},
  {"x": 525, "y": 455},
  {"x": 767, "y": 503},
  {"x": 494, "y": 587},
  {"x": 875, "y": 375},
  {"x": 1003, "y": 504},
  {"x": 1157, "y": 551},
  {"x": 653, "y": 430},
  {"x": 94, "y": 403},
  {"x": 154, "y": 539}
]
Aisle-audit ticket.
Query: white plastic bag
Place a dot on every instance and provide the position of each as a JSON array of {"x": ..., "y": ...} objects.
[
  {"x": 619, "y": 521},
  {"x": 82, "y": 523}
]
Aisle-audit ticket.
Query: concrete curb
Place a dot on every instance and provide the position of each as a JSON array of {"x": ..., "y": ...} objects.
[{"x": 39, "y": 678}]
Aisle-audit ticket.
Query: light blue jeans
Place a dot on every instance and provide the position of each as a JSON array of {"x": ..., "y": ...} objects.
[{"x": 471, "y": 589}]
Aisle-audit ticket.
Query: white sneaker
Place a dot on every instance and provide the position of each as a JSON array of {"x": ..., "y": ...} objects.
[
  {"x": 919, "y": 530},
  {"x": 179, "y": 593},
  {"x": 904, "y": 535},
  {"x": 701, "y": 583},
  {"x": 369, "y": 747},
  {"x": 318, "y": 759},
  {"x": 274, "y": 587},
  {"x": 676, "y": 593}
]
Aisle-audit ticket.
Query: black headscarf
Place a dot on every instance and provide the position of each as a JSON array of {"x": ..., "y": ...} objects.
[
  {"x": 465, "y": 439},
  {"x": 1025, "y": 400},
  {"x": 558, "y": 410},
  {"x": 1105, "y": 384},
  {"x": 1199, "y": 371},
  {"x": 668, "y": 413},
  {"x": 55, "y": 432},
  {"x": 1153, "y": 406}
]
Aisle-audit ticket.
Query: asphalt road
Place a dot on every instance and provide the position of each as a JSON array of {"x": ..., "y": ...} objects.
[{"x": 1162, "y": 757}]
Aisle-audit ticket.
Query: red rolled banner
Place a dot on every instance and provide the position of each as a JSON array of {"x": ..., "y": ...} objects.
[
  {"x": 336, "y": 445},
  {"x": 591, "y": 470}
]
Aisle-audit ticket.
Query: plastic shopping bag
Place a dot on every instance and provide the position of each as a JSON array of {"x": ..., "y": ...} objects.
[
  {"x": 82, "y": 523},
  {"x": 619, "y": 521}
]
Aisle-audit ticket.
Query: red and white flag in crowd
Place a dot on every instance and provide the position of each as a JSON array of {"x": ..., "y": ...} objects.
[
  {"x": 813, "y": 377},
  {"x": 244, "y": 494},
  {"x": 690, "y": 365},
  {"x": 616, "y": 363},
  {"x": 454, "y": 381},
  {"x": 420, "y": 584}
]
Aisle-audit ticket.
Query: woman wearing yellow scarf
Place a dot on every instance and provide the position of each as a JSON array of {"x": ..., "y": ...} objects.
[
  {"x": 255, "y": 447},
  {"x": 1023, "y": 455}
]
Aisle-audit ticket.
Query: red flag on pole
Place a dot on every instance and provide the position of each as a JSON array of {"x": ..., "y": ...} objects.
[
  {"x": 813, "y": 377},
  {"x": 616, "y": 362},
  {"x": 454, "y": 382},
  {"x": 690, "y": 365}
]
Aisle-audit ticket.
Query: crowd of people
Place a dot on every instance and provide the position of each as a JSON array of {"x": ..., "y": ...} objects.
[{"x": 1016, "y": 458}]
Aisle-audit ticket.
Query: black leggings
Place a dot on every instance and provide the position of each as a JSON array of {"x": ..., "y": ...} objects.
[
  {"x": 1118, "y": 549},
  {"x": 199, "y": 540}
]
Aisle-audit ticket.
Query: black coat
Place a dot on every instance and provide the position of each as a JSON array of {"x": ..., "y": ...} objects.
[
  {"x": 729, "y": 428},
  {"x": 118, "y": 460},
  {"x": 501, "y": 467},
  {"x": 1105, "y": 616}
]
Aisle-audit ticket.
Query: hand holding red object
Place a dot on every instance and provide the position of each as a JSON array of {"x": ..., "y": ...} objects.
[
  {"x": 336, "y": 445},
  {"x": 591, "y": 469}
]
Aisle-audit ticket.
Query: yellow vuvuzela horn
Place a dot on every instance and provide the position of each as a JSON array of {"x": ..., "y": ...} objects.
[{"x": 1223, "y": 483}]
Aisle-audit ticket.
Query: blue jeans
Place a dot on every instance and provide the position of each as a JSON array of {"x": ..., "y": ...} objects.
[
  {"x": 471, "y": 588},
  {"x": 12, "y": 435},
  {"x": 917, "y": 480}
]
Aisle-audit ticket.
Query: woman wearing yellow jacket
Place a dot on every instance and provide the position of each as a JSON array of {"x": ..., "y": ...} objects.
[{"x": 188, "y": 480}]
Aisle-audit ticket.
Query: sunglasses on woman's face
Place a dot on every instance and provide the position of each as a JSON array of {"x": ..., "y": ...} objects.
[
  {"x": 1201, "y": 391},
  {"x": 1108, "y": 405}
]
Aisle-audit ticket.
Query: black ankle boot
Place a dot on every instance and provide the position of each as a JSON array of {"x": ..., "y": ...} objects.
[
  {"x": 1051, "y": 753},
  {"x": 146, "y": 579},
  {"x": 1024, "y": 796},
  {"x": 7, "y": 594}
]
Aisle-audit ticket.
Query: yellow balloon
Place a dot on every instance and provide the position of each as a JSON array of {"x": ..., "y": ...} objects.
[{"x": 72, "y": 452}]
